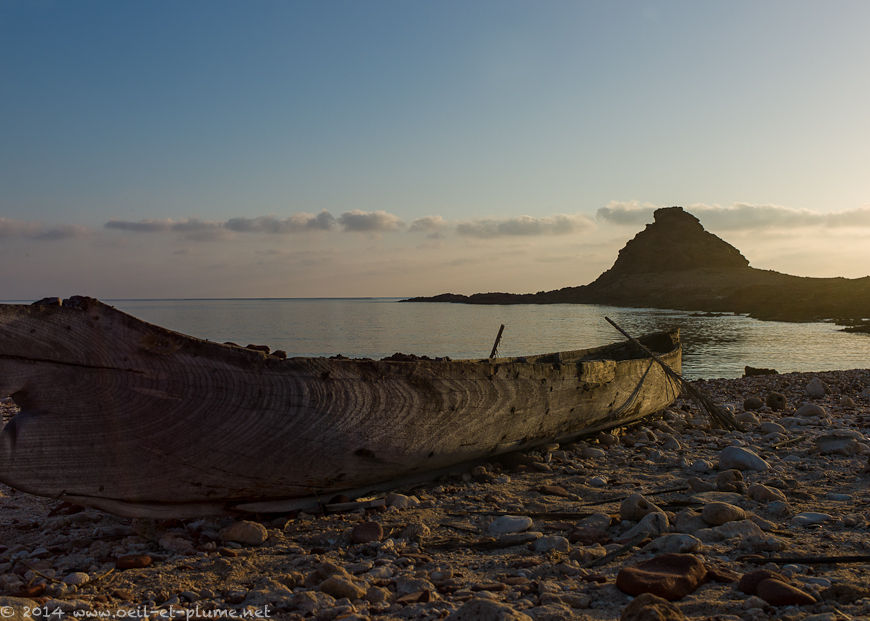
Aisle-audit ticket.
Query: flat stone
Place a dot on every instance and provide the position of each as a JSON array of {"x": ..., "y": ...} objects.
[
  {"x": 587, "y": 535},
  {"x": 741, "y": 459},
  {"x": 771, "y": 427},
  {"x": 326, "y": 570},
  {"x": 401, "y": 501},
  {"x": 516, "y": 539},
  {"x": 77, "y": 578},
  {"x": 747, "y": 419},
  {"x": 590, "y": 452},
  {"x": 649, "y": 607},
  {"x": 717, "y": 513},
  {"x": 670, "y": 576},
  {"x": 698, "y": 485},
  {"x": 837, "y": 444},
  {"x": 678, "y": 543},
  {"x": 505, "y": 524},
  {"x": 487, "y": 610},
  {"x": 551, "y": 542},
  {"x": 810, "y": 409},
  {"x": 701, "y": 465},
  {"x": 730, "y": 480},
  {"x": 13, "y": 608},
  {"x": 557, "y": 490},
  {"x": 764, "y": 493},
  {"x": 133, "y": 561},
  {"x": 779, "y": 508},
  {"x": 245, "y": 532},
  {"x": 635, "y": 507},
  {"x": 651, "y": 525},
  {"x": 366, "y": 532},
  {"x": 845, "y": 593},
  {"x": 728, "y": 530},
  {"x": 339, "y": 587},
  {"x": 808, "y": 518},
  {"x": 714, "y": 496},
  {"x": 749, "y": 582},
  {"x": 779, "y": 593}
]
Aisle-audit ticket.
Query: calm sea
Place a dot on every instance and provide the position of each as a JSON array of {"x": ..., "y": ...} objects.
[{"x": 717, "y": 346}]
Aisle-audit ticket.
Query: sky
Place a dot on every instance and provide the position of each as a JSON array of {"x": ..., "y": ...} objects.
[{"x": 394, "y": 148}]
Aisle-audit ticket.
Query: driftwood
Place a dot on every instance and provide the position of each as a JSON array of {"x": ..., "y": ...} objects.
[{"x": 142, "y": 421}]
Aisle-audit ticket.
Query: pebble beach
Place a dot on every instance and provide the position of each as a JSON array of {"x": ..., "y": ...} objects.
[{"x": 667, "y": 519}]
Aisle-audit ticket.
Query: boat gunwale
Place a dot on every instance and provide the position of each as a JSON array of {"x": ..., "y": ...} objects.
[{"x": 616, "y": 351}]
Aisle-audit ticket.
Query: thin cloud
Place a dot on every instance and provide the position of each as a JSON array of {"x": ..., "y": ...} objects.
[
  {"x": 628, "y": 213},
  {"x": 297, "y": 223},
  {"x": 192, "y": 228},
  {"x": 369, "y": 221},
  {"x": 525, "y": 226},
  {"x": 433, "y": 226},
  {"x": 740, "y": 216},
  {"x": 10, "y": 228}
]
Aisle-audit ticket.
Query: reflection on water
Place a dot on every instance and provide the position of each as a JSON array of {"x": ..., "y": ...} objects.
[{"x": 714, "y": 346}]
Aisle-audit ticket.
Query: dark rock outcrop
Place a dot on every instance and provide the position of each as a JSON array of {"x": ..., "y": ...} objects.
[
  {"x": 674, "y": 242},
  {"x": 675, "y": 263}
]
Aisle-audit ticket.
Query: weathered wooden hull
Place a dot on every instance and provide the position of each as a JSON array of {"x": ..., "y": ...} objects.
[{"x": 128, "y": 416}]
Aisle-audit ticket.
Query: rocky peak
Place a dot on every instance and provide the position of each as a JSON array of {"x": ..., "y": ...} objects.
[{"x": 675, "y": 241}]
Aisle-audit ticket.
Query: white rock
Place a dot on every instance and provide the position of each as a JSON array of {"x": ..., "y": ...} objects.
[
  {"x": 741, "y": 459},
  {"x": 552, "y": 542},
  {"x": 635, "y": 507},
  {"x": 506, "y": 524},
  {"x": 401, "y": 501},
  {"x": 652, "y": 525},
  {"x": 808, "y": 518},
  {"x": 673, "y": 542},
  {"x": 739, "y": 528},
  {"x": 77, "y": 578}
]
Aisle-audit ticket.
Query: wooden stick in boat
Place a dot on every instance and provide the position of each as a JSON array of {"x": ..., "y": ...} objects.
[
  {"x": 713, "y": 411},
  {"x": 497, "y": 341}
]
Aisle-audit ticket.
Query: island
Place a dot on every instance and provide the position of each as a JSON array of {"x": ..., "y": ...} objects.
[{"x": 675, "y": 263}]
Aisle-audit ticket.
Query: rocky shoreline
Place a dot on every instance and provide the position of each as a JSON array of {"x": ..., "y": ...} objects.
[{"x": 668, "y": 519}]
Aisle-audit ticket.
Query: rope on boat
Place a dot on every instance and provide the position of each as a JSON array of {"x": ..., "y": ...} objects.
[
  {"x": 713, "y": 411},
  {"x": 634, "y": 393}
]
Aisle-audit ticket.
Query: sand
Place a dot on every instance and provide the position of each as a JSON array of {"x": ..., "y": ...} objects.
[{"x": 540, "y": 535}]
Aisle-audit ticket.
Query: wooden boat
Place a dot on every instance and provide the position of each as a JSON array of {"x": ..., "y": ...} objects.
[{"x": 138, "y": 420}]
